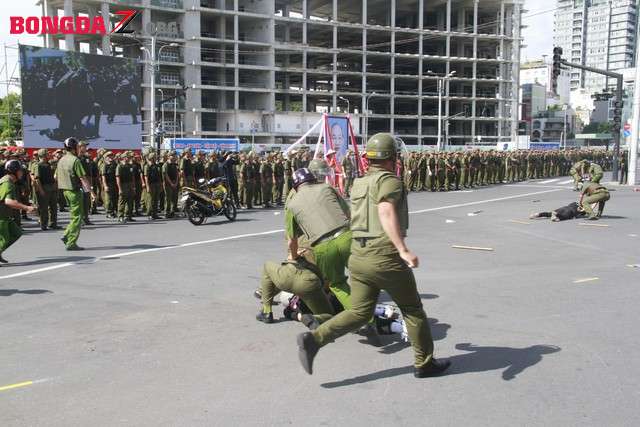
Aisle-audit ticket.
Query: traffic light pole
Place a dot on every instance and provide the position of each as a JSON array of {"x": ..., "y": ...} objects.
[{"x": 619, "y": 82}]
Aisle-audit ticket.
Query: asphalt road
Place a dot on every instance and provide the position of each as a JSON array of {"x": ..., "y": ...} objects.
[{"x": 153, "y": 325}]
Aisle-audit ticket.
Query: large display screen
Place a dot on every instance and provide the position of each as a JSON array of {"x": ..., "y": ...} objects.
[{"x": 95, "y": 98}]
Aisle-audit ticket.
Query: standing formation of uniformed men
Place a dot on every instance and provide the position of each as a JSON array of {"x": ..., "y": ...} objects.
[{"x": 451, "y": 171}]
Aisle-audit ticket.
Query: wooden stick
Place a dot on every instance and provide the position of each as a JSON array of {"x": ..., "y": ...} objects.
[
  {"x": 587, "y": 279},
  {"x": 584, "y": 224},
  {"x": 519, "y": 222},
  {"x": 472, "y": 248}
]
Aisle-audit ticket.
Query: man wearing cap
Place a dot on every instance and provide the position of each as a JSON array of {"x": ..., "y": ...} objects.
[
  {"x": 46, "y": 191},
  {"x": 109, "y": 184},
  {"x": 153, "y": 185},
  {"x": 199, "y": 166},
  {"x": 83, "y": 155},
  {"x": 186, "y": 169},
  {"x": 72, "y": 180},
  {"x": 170, "y": 178},
  {"x": 126, "y": 187}
]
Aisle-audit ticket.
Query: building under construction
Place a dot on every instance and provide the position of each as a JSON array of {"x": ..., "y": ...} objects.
[{"x": 268, "y": 69}]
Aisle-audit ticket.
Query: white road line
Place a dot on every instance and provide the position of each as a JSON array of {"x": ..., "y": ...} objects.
[
  {"x": 549, "y": 181},
  {"x": 242, "y": 236},
  {"x": 37, "y": 270},
  {"x": 479, "y": 202},
  {"x": 569, "y": 181},
  {"x": 141, "y": 251}
]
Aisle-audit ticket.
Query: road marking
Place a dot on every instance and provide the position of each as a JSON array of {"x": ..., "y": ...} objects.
[
  {"x": 479, "y": 202},
  {"x": 141, "y": 251},
  {"x": 16, "y": 385},
  {"x": 586, "y": 279},
  {"x": 569, "y": 181},
  {"x": 549, "y": 181},
  {"x": 37, "y": 270},
  {"x": 586, "y": 224},
  {"x": 242, "y": 236}
]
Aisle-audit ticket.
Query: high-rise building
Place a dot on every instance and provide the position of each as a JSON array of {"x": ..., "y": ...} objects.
[
  {"x": 539, "y": 72},
  {"x": 268, "y": 69},
  {"x": 599, "y": 34}
]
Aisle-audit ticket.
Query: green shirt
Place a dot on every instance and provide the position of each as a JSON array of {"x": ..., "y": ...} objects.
[
  {"x": 7, "y": 191},
  {"x": 69, "y": 171}
]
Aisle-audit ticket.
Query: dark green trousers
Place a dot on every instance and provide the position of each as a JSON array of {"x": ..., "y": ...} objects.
[{"x": 372, "y": 271}]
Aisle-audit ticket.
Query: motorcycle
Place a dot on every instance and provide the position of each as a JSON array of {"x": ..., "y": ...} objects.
[{"x": 211, "y": 198}]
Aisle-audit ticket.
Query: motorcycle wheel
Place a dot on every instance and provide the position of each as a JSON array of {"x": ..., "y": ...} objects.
[
  {"x": 195, "y": 215},
  {"x": 230, "y": 210}
]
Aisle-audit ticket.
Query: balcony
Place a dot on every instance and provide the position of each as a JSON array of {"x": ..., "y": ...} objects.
[
  {"x": 169, "y": 79},
  {"x": 168, "y": 4}
]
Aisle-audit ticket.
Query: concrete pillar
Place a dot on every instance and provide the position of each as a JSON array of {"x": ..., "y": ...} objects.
[
  {"x": 69, "y": 39},
  {"x": 474, "y": 70},
  {"x": 106, "y": 39},
  {"x": 392, "y": 88},
  {"x": 420, "y": 65},
  {"x": 304, "y": 66}
]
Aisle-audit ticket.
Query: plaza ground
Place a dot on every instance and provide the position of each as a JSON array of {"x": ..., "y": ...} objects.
[{"x": 153, "y": 325}]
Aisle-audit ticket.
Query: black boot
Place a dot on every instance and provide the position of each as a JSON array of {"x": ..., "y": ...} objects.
[
  {"x": 309, "y": 321},
  {"x": 307, "y": 350},
  {"x": 432, "y": 369},
  {"x": 264, "y": 317}
]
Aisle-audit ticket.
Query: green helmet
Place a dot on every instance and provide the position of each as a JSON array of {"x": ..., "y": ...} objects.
[
  {"x": 381, "y": 146},
  {"x": 319, "y": 168}
]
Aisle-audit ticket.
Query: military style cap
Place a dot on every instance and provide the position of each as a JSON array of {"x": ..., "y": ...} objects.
[
  {"x": 172, "y": 153},
  {"x": 83, "y": 143},
  {"x": 42, "y": 152},
  {"x": 128, "y": 154},
  {"x": 108, "y": 154}
]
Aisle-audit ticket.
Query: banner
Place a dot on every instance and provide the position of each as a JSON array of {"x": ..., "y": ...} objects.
[
  {"x": 205, "y": 144},
  {"x": 96, "y": 98}
]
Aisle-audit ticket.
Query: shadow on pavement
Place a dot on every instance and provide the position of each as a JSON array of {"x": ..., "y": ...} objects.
[
  {"x": 224, "y": 221},
  {"x": 9, "y": 292},
  {"x": 478, "y": 359},
  {"x": 384, "y": 297},
  {"x": 132, "y": 247},
  {"x": 53, "y": 260},
  {"x": 438, "y": 332}
]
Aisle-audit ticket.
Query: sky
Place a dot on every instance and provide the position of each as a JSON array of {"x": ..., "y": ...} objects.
[{"x": 538, "y": 36}]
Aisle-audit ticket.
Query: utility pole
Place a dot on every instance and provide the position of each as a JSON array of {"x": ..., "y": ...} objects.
[
  {"x": 635, "y": 126},
  {"x": 441, "y": 81},
  {"x": 6, "y": 68},
  {"x": 366, "y": 118}
]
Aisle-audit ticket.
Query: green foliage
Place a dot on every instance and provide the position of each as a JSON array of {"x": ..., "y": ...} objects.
[{"x": 10, "y": 117}]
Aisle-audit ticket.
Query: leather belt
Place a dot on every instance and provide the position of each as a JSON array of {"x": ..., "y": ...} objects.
[{"x": 330, "y": 236}]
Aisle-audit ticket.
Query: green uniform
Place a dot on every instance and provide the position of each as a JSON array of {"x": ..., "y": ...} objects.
[
  {"x": 126, "y": 192},
  {"x": 68, "y": 172},
  {"x": 595, "y": 172},
  {"x": 186, "y": 169},
  {"x": 247, "y": 180},
  {"x": 576, "y": 173},
  {"x": 594, "y": 193},
  {"x": 297, "y": 278},
  {"x": 110, "y": 192},
  {"x": 153, "y": 177},
  {"x": 170, "y": 175},
  {"x": 278, "y": 182},
  {"x": 375, "y": 265},
  {"x": 318, "y": 213},
  {"x": 48, "y": 199},
  {"x": 266, "y": 180},
  {"x": 10, "y": 232},
  {"x": 348, "y": 171}
]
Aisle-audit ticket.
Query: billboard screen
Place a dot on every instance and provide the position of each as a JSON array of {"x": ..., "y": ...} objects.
[{"x": 96, "y": 98}]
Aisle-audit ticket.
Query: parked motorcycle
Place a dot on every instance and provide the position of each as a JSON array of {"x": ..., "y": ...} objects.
[{"x": 211, "y": 198}]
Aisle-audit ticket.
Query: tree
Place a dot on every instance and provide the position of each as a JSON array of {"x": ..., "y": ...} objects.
[{"x": 10, "y": 117}]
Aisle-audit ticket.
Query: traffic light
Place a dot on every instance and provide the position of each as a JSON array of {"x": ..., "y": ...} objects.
[
  {"x": 556, "y": 69},
  {"x": 617, "y": 116}
]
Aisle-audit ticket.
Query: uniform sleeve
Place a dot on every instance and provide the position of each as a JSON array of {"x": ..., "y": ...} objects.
[
  {"x": 390, "y": 189},
  {"x": 7, "y": 191},
  {"x": 78, "y": 169},
  {"x": 292, "y": 230},
  {"x": 118, "y": 170}
]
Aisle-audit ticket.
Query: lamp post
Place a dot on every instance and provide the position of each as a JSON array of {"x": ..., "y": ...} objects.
[
  {"x": 161, "y": 109},
  {"x": 441, "y": 81},
  {"x": 366, "y": 117},
  {"x": 152, "y": 57},
  {"x": 347, "y": 101}
]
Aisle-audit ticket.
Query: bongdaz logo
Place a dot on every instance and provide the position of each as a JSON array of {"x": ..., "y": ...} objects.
[{"x": 70, "y": 24}]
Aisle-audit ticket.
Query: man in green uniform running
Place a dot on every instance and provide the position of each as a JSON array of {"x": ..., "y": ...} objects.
[
  {"x": 10, "y": 232},
  {"x": 380, "y": 260},
  {"x": 72, "y": 180}
]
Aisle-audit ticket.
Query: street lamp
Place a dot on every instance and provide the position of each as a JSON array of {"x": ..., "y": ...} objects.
[
  {"x": 161, "y": 110},
  {"x": 347, "y": 101},
  {"x": 366, "y": 117},
  {"x": 441, "y": 81},
  {"x": 152, "y": 57}
]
